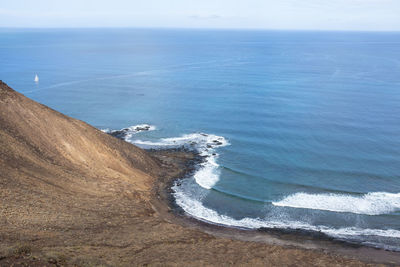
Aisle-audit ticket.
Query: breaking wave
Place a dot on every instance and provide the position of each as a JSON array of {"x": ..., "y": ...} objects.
[
  {"x": 196, "y": 209},
  {"x": 370, "y": 204},
  {"x": 207, "y": 175},
  {"x": 127, "y": 133},
  {"x": 208, "y": 172}
]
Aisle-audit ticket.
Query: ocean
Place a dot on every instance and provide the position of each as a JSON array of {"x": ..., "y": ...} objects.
[{"x": 300, "y": 129}]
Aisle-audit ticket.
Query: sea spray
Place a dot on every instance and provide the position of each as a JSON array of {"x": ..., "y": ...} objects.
[
  {"x": 207, "y": 175},
  {"x": 195, "y": 208},
  {"x": 208, "y": 172},
  {"x": 370, "y": 204}
]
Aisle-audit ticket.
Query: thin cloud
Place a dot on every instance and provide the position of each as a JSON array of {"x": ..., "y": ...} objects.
[{"x": 213, "y": 16}]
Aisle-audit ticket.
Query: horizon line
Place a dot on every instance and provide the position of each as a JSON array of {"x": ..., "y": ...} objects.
[{"x": 196, "y": 28}]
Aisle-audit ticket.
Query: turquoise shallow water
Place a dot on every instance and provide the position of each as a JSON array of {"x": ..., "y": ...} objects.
[{"x": 304, "y": 126}]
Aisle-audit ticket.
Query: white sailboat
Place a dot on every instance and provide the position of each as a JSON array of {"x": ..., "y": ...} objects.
[{"x": 36, "y": 78}]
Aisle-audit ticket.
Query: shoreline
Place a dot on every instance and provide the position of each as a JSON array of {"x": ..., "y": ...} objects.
[{"x": 164, "y": 203}]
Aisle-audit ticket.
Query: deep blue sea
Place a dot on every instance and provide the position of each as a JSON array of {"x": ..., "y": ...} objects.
[{"x": 301, "y": 129}]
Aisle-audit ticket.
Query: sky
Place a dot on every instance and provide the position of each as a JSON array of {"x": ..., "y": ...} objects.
[{"x": 365, "y": 15}]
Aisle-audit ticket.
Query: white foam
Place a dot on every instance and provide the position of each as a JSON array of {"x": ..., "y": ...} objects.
[
  {"x": 137, "y": 129},
  {"x": 132, "y": 130},
  {"x": 200, "y": 141},
  {"x": 208, "y": 173},
  {"x": 196, "y": 209},
  {"x": 371, "y": 204}
]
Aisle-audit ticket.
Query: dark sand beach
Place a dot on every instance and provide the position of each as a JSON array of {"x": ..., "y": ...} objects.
[{"x": 72, "y": 195}]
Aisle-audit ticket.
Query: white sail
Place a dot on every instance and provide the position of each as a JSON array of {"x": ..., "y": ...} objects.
[{"x": 36, "y": 78}]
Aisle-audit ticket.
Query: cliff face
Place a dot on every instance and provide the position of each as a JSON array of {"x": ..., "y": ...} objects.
[{"x": 53, "y": 166}]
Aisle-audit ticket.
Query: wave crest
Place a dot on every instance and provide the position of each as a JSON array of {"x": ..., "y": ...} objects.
[
  {"x": 197, "y": 209},
  {"x": 370, "y": 204},
  {"x": 205, "y": 144}
]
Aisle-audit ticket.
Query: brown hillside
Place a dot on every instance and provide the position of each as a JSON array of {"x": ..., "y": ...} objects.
[{"x": 49, "y": 163}]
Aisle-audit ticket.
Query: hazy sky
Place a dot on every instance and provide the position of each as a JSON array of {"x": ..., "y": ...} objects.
[{"x": 260, "y": 14}]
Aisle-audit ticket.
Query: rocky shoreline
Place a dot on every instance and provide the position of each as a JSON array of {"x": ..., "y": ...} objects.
[
  {"x": 289, "y": 238},
  {"x": 188, "y": 161}
]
